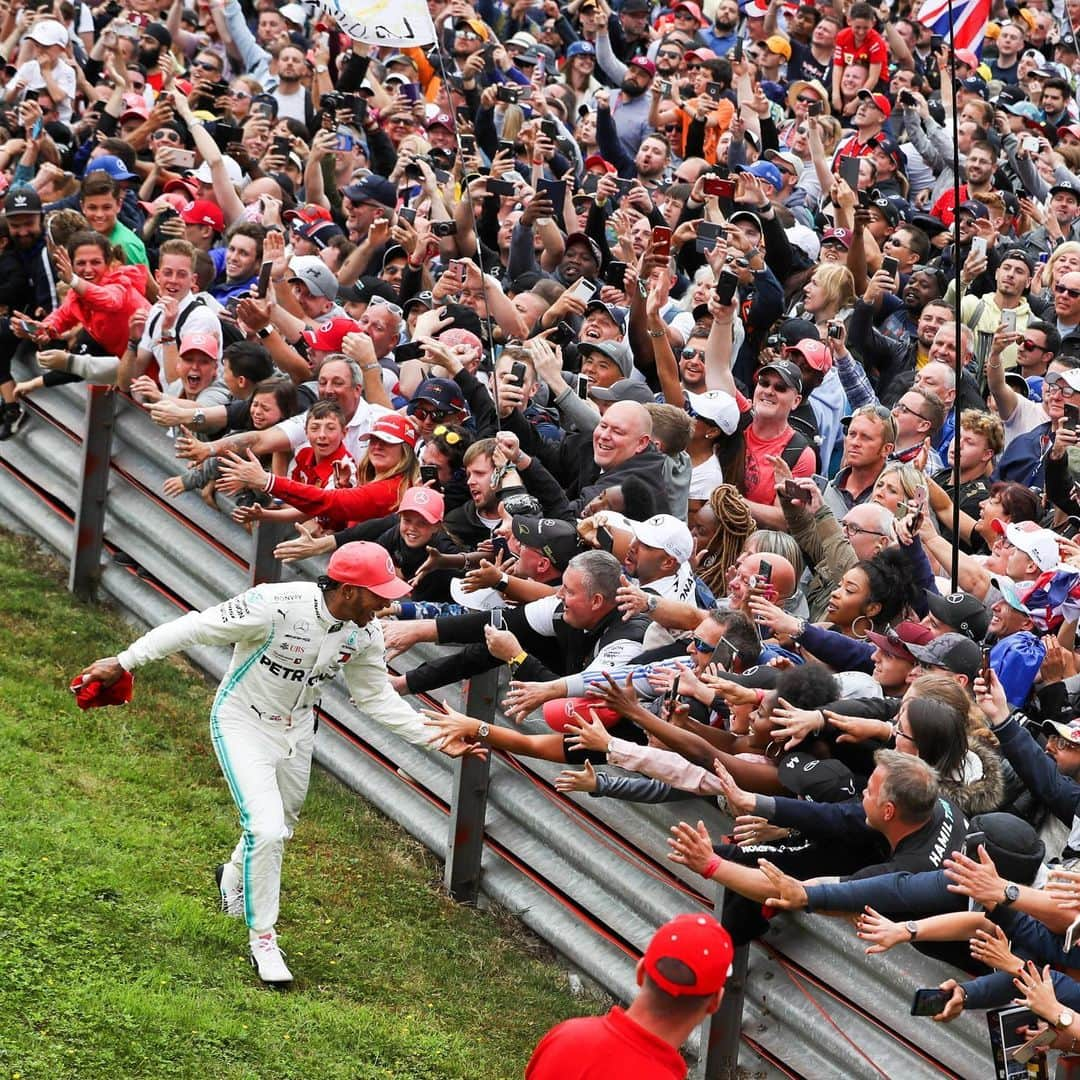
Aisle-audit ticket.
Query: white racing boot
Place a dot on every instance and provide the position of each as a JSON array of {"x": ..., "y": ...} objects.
[
  {"x": 267, "y": 960},
  {"x": 230, "y": 883}
]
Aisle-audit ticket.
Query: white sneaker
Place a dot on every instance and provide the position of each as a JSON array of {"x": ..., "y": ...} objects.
[
  {"x": 230, "y": 883},
  {"x": 268, "y": 961}
]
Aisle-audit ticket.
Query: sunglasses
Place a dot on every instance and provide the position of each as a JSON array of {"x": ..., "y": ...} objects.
[
  {"x": 1073, "y": 294},
  {"x": 1029, "y": 344},
  {"x": 808, "y": 99},
  {"x": 777, "y": 386},
  {"x": 205, "y": 65},
  {"x": 381, "y": 301},
  {"x": 430, "y": 414},
  {"x": 689, "y": 354},
  {"x": 705, "y": 647},
  {"x": 451, "y": 438},
  {"x": 165, "y": 136}
]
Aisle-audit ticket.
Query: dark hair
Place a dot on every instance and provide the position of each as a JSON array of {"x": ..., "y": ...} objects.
[
  {"x": 808, "y": 686},
  {"x": 1019, "y": 502},
  {"x": 861, "y": 10},
  {"x": 249, "y": 360},
  {"x": 1057, "y": 83},
  {"x": 323, "y": 408},
  {"x": 455, "y": 451},
  {"x": 99, "y": 183},
  {"x": 740, "y": 634},
  {"x": 1053, "y": 338},
  {"x": 639, "y": 498},
  {"x": 940, "y": 733},
  {"x": 90, "y": 238},
  {"x": 122, "y": 149},
  {"x": 252, "y": 230},
  {"x": 982, "y": 144},
  {"x": 284, "y": 391},
  {"x": 919, "y": 241},
  {"x": 891, "y": 584}
]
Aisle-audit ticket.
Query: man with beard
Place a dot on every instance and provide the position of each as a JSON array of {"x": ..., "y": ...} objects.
[
  {"x": 1012, "y": 279},
  {"x": 721, "y": 37},
  {"x": 812, "y": 61},
  {"x": 29, "y": 285},
  {"x": 154, "y": 39},
  {"x": 294, "y": 101},
  {"x": 630, "y": 111},
  {"x": 979, "y": 170},
  {"x": 924, "y": 285}
]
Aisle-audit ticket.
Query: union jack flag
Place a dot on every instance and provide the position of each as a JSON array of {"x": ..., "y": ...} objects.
[
  {"x": 1053, "y": 598},
  {"x": 971, "y": 17}
]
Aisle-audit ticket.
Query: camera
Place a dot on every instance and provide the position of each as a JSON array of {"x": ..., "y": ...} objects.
[
  {"x": 444, "y": 228},
  {"x": 508, "y": 95}
]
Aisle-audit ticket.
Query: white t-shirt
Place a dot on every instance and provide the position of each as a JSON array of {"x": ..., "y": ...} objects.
[
  {"x": 202, "y": 320},
  {"x": 705, "y": 478},
  {"x": 64, "y": 77},
  {"x": 1027, "y": 416},
  {"x": 291, "y": 106}
]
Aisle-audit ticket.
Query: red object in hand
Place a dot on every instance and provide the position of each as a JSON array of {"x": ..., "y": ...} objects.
[
  {"x": 560, "y": 712},
  {"x": 94, "y": 694}
]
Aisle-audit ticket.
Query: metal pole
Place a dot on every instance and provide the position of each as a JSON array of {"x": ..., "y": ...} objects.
[
  {"x": 721, "y": 1032},
  {"x": 265, "y": 569},
  {"x": 85, "y": 570},
  {"x": 468, "y": 806}
]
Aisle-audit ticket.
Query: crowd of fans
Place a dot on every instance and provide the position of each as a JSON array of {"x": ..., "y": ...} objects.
[{"x": 631, "y": 334}]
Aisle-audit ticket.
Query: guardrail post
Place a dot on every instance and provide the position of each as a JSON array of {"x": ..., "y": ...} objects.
[
  {"x": 85, "y": 570},
  {"x": 264, "y": 568},
  {"x": 468, "y": 806},
  {"x": 721, "y": 1032}
]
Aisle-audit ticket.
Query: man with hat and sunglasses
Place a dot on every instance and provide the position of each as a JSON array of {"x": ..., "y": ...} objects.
[{"x": 288, "y": 640}]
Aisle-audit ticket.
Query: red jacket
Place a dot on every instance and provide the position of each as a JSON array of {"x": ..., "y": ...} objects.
[
  {"x": 105, "y": 309},
  {"x": 342, "y": 506}
]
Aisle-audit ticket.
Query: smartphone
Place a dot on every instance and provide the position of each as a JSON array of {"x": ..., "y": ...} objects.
[
  {"x": 583, "y": 290},
  {"x": 726, "y": 284},
  {"x": 264, "y": 105},
  {"x": 264, "y": 279},
  {"x": 443, "y": 228},
  {"x": 549, "y": 129},
  {"x": 408, "y": 350},
  {"x": 502, "y": 188},
  {"x": 1008, "y": 320},
  {"x": 1072, "y": 417},
  {"x": 36, "y": 130},
  {"x": 815, "y": 108},
  {"x": 1071, "y": 934},
  {"x": 714, "y": 90},
  {"x": 615, "y": 275},
  {"x": 1030, "y": 144},
  {"x": 429, "y": 473},
  {"x": 849, "y": 172},
  {"x": 555, "y": 190},
  {"x": 28, "y": 327},
  {"x": 890, "y": 265},
  {"x": 623, "y": 185},
  {"x": 407, "y": 214},
  {"x": 410, "y": 91},
  {"x": 929, "y": 1001},
  {"x": 661, "y": 241},
  {"x": 518, "y": 372},
  {"x": 226, "y": 133},
  {"x": 345, "y": 141},
  {"x": 508, "y": 95},
  {"x": 664, "y": 86},
  {"x": 704, "y": 244},
  {"x": 709, "y": 230},
  {"x": 497, "y": 620},
  {"x": 582, "y": 387},
  {"x": 936, "y": 41},
  {"x": 908, "y": 99},
  {"x": 737, "y": 50},
  {"x": 605, "y": 541},
  {"x": 793, "y": 491},
  {"x": 764, "y": 573},
  {"x": 671, "y": 699},
  {"x": 718, "y": 186},
  {"x": 468, "y": 144},
  {"x": 978, "y": 244},
  {"x": 282, "y": 147},
  {"x": 506, "y": 146},
  {"x": 183, "y": 159}
]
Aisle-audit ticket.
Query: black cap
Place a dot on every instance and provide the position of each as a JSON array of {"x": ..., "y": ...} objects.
[
  {"x": 1021, "y": 255},
  {"x": 961, "y": 611},
  {"x": 22, "y": 200},
  {"x": 816, "y": 779},
  {"x": 787, "y": 371},
  {"x": 795, "y": 330},
  {"x": 953, "y": 652},
  {"x": 1012, "y": 843},
  {"x": 361, "y": 292},
  {"x": 556, "y": 539}
]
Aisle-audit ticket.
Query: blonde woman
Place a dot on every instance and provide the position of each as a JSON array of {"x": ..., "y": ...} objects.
[
  {"x": 828, "y": 295},
  {"x": 900, "y": 487}
]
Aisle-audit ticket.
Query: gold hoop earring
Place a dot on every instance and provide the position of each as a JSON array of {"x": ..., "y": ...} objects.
[{"x": 855, "y": 622}]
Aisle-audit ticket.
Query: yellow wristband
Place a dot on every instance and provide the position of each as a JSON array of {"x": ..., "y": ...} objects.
[{"x": 515, "y": 661}]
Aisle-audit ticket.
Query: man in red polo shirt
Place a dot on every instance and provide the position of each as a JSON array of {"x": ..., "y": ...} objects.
[
  {"x": 869, "y": 123},
  {"x": 681, "y": 976},
  {"x": 859, "y": 43}
]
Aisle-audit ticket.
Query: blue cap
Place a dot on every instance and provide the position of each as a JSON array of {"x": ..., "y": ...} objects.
[
  {"x": 373, "y": 188},
  {"x": 1035, "y": 387},
  {"x": 445, "y": 393},
  {"x": 765, "y": 170},
  {"x": 580, "y": 48},
  {"x": 111, "y": 164}
]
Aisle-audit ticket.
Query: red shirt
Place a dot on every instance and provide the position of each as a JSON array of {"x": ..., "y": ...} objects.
[
  {"x": 759, "y": 482},
  {"x": 872, "y": 51},
  {"x": 306, "y": 470},
  {"x": 611, "y": 1047},
  {"x": 944, "y": 209}
]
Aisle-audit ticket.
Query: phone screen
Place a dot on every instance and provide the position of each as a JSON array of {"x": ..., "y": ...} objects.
[
  {"x": 264, "y": 279},
  {"x": 929, "y": 1001},
  {"x": 849, "y": 172}
]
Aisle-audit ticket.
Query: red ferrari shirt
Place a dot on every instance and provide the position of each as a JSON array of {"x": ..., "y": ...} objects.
[
  {"x": 611, "y": 1047},
  {"x": 872, "y": 51}
]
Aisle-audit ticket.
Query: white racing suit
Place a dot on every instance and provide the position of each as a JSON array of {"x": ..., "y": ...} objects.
[{"x": 286, "y": 645}]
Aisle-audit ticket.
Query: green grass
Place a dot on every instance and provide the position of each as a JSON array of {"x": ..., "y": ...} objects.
[{"x": 113, "y": 960}]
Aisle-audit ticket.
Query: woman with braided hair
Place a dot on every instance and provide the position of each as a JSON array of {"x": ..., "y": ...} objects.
[{"x": 720, "y": 528}]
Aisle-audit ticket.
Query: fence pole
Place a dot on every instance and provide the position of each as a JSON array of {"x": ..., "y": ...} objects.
[
  {"x": 722, "y": 1031},
  {"x": 265, "y": 569},
  {"x": 85, "y": 570},
  {"x": 468, "y": 806}
]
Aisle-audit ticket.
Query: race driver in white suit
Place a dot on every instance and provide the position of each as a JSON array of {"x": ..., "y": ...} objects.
[{"x": 288, "y": 640}]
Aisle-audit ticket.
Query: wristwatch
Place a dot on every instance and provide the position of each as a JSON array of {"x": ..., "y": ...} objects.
[
  {"x": 198, "y": 416},
  {"x": 502, "y": 583},
  {"x": 320, "y": 69},
  {"x": 483, "y": 731},
  {"x": 1064, "y": 1020},
  {"x": 265, "y": 332},
  {"x": 1012, "y": 893},
  {"x": 912, "y": 928},
  {"x": 651, "y": 603}
]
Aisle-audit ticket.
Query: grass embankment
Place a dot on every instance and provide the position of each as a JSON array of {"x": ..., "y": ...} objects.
[{"x": 113, "y": 960}]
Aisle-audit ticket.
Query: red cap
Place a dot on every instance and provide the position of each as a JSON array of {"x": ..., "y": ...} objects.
[
  {"x": 815, "y": 353},
  {"x": 879, "y": 100},
  {"x": 203, "y": 212},
  {"x": 425, "y": 501},
  {"x": 329, "y": 335},
  {"x": 200, "y": 342},
  {"x": 693, "y": 9},
  {"x": 309, "y": 213},
  {"x": 135, "y": 105},
  {"x": 441, "y": 120},
  {"x": 646, "y": 65},
  {"x": 699, "y": 942},
  {"x": 700, "y": 54},
  {"x": 369, "y": 566},
  {"x": 188, "y": 185},
  {"x": 594, "y": 160},
  {"x": 393, "y": 428},
  {"x": 93, "y": 695},
  {"x": 895, "y": 642},
  {"x": 966, "y": 56},
  {"x": 560, "y": 712}
]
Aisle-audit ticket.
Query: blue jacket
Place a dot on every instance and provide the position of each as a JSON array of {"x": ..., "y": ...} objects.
[{"x": 1024, "y": 460}]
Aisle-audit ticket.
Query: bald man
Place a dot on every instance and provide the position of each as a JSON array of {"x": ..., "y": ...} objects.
[{"x": 1067, "y": 304}]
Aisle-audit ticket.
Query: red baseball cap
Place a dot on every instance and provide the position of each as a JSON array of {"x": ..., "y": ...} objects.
[
  {"x": 879, "y": 101},
  {"x": 560, "y": 712},
  {"x": 200, "y": 342},
  {"x": 895, "y": 642},
  {"x": 693, "y": 9},
  {"x": 328, "y": 336},
  {"x": 594, "y": 160},
  {"x": 368, "y": 566},
  {"x": 92, "y": 695},
  {"x": 393, "y": 428},
  {"x": 699, "y": 942},
  {"x": 203, "y": 212},
  {"x": 815, "y": 353},
  {"x": 309, "y": 213},
  {"x": 425, "y": 501},
  {"x": 646, "y": 65},
  {"x": 188, "y": 185}
]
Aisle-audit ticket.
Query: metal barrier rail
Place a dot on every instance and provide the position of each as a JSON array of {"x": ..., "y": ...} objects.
[{"x": 590, "y": 876}]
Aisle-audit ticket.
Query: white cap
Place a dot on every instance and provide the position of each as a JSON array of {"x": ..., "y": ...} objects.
[
  {"x": 666, "y": 533},
  {"x": 236, "y": 174},
  {"x": 49, "y": 32},
  {"x": 523, "y": 39},
  {"x": 1071, "y": 378},
  {"x": 1040, "y": 545},
  {"x": 293, "y": 13},
  {"x": 718, "y": 406}
]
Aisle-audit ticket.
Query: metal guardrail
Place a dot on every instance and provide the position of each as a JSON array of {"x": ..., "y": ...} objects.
[{"x": 590, "y": 876}]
